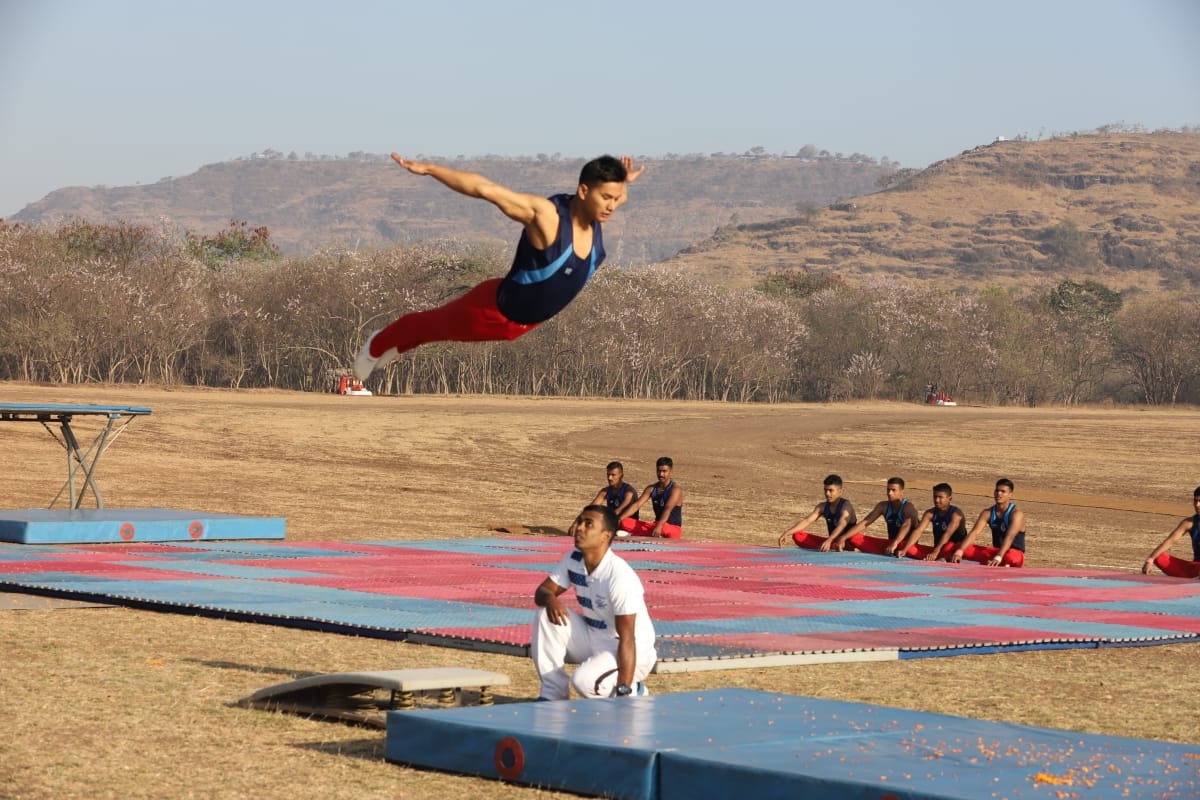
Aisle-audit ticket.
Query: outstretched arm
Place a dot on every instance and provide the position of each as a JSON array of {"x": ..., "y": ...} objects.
[
  {"x": 801, "y": 525},
  {"x": 635, "y": 505},
  {"x": 837, "y": 537},
  {"x": 675, "y": 498},
  {"x": 957, "y": 556},
  {"x": 1015, "y": 525},
  {"x": 1183, "y": 527},
  {"x": 628, "y": 499},
  {"x": 631, "y": 174},
  {"x": 537, "y": 214},
  {"x": 837, "y": 542},
  {"x": 899, "y": 546},
  {"x": 914, "y": 535}
]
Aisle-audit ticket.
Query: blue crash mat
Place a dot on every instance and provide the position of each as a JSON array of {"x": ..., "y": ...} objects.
[{"x": 738, "y": 742}]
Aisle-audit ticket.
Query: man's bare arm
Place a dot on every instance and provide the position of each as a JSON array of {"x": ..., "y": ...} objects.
[
  {"x": 626, "y": 648},
  {"x": 547, "y": 596},
  {"x": 801, "y": 525},
  {"x": 979, "y": 525},
  {"x": 537, "y": 214},
  {"x": 1183, "y": 527},
  {"x": 637, "y": 504}
]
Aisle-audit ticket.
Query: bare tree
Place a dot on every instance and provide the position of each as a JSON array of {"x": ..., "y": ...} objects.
[{"x": 1155, "y": 342}]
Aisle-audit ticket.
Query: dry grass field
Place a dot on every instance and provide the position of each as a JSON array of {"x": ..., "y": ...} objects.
[{"x": 122, "y": 703}]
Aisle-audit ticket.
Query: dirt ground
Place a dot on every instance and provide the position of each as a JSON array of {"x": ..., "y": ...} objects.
[{"x": 115, "y": 702}]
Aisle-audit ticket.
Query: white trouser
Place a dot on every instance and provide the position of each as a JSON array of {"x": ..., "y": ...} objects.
[{"x": 554, "y": 646}]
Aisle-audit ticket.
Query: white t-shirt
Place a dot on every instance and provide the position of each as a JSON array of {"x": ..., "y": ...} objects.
[{"x": 613, "y": 589}]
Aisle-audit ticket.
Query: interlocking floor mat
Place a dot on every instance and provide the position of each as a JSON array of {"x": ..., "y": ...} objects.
[{"x": 715, "y": 606}]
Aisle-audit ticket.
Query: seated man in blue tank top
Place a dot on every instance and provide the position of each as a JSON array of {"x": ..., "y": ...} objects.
[
  {"x": 560, "y": 248},
  {"x": 948, "y": 523},
  {"x": 838, "y": 513},
  {"x": 617, "y": 495},
  {"x": 1172, "y": 565},
  {"x": 666, "y": 498},
  {"x": 1007, "y": 523},
  {"x": 898, "y": 514}
]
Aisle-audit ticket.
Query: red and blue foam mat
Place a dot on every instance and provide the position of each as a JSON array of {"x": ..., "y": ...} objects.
[
  {"x": 744, "y": 743},
  {"x": 709, "y": 601}
]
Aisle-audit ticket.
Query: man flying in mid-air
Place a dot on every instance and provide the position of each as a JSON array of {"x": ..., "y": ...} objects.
[{"x": 559, "y": 249}]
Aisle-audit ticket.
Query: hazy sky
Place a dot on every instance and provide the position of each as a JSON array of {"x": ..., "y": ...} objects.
[{"x": 119, "y": 92}]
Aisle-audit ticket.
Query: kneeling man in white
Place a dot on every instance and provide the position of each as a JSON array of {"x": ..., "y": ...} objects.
[{"x": 612, "y": 641}]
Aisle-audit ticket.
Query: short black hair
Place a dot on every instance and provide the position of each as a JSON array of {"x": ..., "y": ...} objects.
[
  {"x": 896, "y": 482},
  {"x": 943, "y": 488},
  {"x": 665, "y": 461},
  {"x": 605, "y": 169},
  {"x": 833, "y": 480},
  {"x": 1006, "y": 482},
  {"x": 609, "y": 520},
  {"x": 614, "y": 465}
]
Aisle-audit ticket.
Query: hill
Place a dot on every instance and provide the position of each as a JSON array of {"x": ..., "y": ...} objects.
[
  {"x": 1120, "y": 208},
  {"x": 365, "y": 200}
]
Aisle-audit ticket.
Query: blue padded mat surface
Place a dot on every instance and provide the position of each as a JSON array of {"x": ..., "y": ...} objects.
[
  {"x": 708, "y": 600},
  {"x": 744, "y": 743}
]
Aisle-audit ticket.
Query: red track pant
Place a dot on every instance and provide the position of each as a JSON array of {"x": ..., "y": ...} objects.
[
  {"x": 876, "y": 545},
  {"x": 808, "y": 540},
  {"x": 1177, "y": 567},
  {"x": 922, "y": 550},
  {"x": 473, "y": 317},
  {"x": 1013, "y": 558},
  {"x": 636, "y": 527}
]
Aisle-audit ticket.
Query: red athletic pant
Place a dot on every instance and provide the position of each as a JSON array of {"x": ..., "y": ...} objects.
[
  {"x": 876, "y": 545},
  {"x": 637, "y": 527},
  {"x": 808, "y": 540},
  {"x": 473, "y": 317},
  {"x": 922, "y": 550},
  {"x": 1013, "y": 558},
  {"x": 1177, "y": 567}
]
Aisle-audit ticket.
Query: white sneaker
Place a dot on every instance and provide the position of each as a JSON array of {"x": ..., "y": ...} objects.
[
  {"x": 365, "y": 363},
  {"x": 622, "y": 534}
]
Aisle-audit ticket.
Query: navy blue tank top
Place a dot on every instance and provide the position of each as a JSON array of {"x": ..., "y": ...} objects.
[
  {"x": 942, "y": 521},
  {"x": 1196, "y": 538},
  {"x": 613, "y": 496},
  {"x": 542, "y": 283},
  {"x": 894, "y": 518},
  {"x": 999, "y": 526},
  {"x": 832, "y": 515},
  {"x": 659, "y": 496}
]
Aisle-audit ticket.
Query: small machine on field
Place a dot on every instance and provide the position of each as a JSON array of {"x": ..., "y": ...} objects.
[{"x": 350, "y": 385}]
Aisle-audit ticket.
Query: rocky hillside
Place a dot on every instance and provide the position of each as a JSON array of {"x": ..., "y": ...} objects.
[
  {"x": 367, "y": 200},
  {"x": 1120, "y": 208}
]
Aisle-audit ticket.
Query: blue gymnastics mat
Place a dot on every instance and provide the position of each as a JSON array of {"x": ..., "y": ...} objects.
[
  {"x": 98, "y": 525},
  {"x": 744, "y": 743},
  {"x": 714, "y": 606}
]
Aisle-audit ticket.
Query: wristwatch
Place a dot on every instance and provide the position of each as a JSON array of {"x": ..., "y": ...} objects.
[{"x": 623, "y": 690}]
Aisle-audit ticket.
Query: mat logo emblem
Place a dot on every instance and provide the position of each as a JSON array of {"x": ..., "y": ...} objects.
[{"x": 509, "y": 758}]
